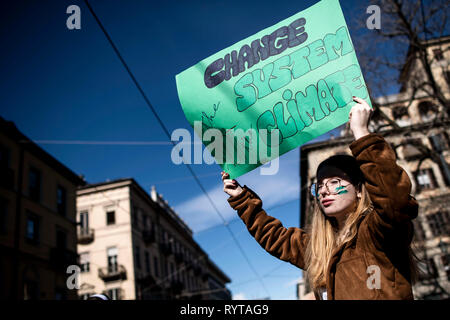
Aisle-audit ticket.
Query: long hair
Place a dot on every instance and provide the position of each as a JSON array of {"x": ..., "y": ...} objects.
[{"x": 324, "y": 237}]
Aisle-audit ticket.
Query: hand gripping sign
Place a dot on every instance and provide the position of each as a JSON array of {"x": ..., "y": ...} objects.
[{"x": 293, "y": 81}]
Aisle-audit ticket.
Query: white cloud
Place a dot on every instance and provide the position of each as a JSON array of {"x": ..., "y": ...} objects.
[
  {"x": 284, "y": 186},
  {"x": 292, "y": 282},
  {"x": 239, "y": 296}
]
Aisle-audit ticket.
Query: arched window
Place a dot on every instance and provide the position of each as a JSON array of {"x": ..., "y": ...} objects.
[
  {"x": 427, "y": 110},
  {"x": 401, "y": 116}
]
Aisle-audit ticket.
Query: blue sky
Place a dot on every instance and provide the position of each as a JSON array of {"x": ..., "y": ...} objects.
[{"x": 68, "y": 85}]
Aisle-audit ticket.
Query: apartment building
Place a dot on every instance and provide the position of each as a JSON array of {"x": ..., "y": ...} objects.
[
  {"x": 430, "y": 182},
  {"x": 37, "y": 220},
  {"x": 133, "y": 245}
]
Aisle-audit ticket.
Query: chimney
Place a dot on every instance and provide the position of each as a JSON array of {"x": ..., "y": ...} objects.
[{"x": 153, "y": 194}]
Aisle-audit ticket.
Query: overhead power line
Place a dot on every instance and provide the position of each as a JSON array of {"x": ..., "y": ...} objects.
[{"x": 166, "y": 131}]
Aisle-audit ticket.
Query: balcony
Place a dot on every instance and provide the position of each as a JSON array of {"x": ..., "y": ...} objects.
[
  {"x": 112, "y": 273},
  {"x": 166, "y": 249},
  {"x": 148, "y": 235},
  {"x": 61, "y": 258},
  {"x": 85, "y": 235}
]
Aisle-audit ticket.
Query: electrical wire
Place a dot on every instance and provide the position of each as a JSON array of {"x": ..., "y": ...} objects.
[{"x": 166, "y": 131}]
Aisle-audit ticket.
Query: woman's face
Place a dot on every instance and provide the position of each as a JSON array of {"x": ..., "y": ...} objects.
[{"x": 337, "y": 196}]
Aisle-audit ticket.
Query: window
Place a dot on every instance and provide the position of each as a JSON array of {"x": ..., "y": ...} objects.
[
  {"x": 174, "y": 271},
  {"x": 137, "y": 253},
  {"x": 419, "y": 232},
  {"x": 85, "y": 296},
  {"x": 112, "y": 260},
  {"x": 61, "y": 200},
  {"x": 84, "y": 222},
  {"x": 166, "y": 237},
  {"x": 114, "y": 294},
  {"x": 5, "y": 157},
  {"x": 32, "y": 228},
  {"x": 186, "y": 283},
  {"x": 85, "y": 262},
  {"x": 110, "y": 217},
  {"x": 446, "y": 264},
  {"x": 3, "y": 214},
  {"x": 165, "y": 268},
  {"x": 147, "y": 262},
  {"x": 401, "y": 116},
  {"x": 176, "y": 246},
  {"x": 439, "y": 223},
  {"x": 155, "y": 266},
  {"x": 438, "y": 55},
  {"x": 6, "y": 173},
  {"x": 146, "y": 221},
  {"x": 428, "y": 270},
  {"x": 34, "y": 184},
  {"x": 30, "y": 290},
  {"x": 427, "y": 110},
  {"x": 60, "y": 294},
  {"x": 410, "y": 152},
  {"x": 440, "y": 141},
  {"x": 61, "y": 239},
  {"x": 447, "y": 77},
  {"x": 135, "y": 217},
  {"x": 170, "y": 271},
  {"x": 425, "y": 179}
]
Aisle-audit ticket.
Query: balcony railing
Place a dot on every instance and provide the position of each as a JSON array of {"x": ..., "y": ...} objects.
[
  {"x": 112, "y": 273},
  {"x": 85, "y": 235},
  {"x": 61, "y": 258}
]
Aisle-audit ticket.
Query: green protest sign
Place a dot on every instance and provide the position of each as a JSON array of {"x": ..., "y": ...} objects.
[{"x": 297, "y": 76}]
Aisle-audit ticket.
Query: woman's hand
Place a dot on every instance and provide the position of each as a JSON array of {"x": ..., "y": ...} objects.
[
  {"x": 230, "y": 187},
  {"x": 359, "y": 117}
]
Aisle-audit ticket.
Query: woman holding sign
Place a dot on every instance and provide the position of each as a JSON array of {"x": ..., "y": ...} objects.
[{"x": 358, "y": 244}]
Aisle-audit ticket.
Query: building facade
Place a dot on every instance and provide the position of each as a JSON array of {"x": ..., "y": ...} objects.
[
  {"x": 133, "y": 245},
  {"x": 37, "y": 220},
  {"x": 421, "y": 143}
]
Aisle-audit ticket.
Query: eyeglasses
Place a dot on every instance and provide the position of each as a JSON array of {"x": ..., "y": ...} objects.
[{"x": 332, "y": 184}]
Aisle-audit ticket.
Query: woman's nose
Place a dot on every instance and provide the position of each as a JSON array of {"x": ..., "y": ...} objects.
[{"x": 323, "y": 191}]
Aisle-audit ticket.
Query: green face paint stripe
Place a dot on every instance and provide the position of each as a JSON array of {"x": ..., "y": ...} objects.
[
  {"x": 342, "y": 192},
  {"x": 340, "y": 188}
]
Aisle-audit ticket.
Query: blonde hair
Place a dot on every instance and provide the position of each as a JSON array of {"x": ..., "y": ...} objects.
[{"x": 324, "y": 238}]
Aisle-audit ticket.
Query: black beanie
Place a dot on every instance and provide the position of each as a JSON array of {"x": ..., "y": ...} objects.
[{"x": 340, "y": 165}]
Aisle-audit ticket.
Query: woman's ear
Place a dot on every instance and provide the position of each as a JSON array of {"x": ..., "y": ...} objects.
[{"x": 359, "y": 192}]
